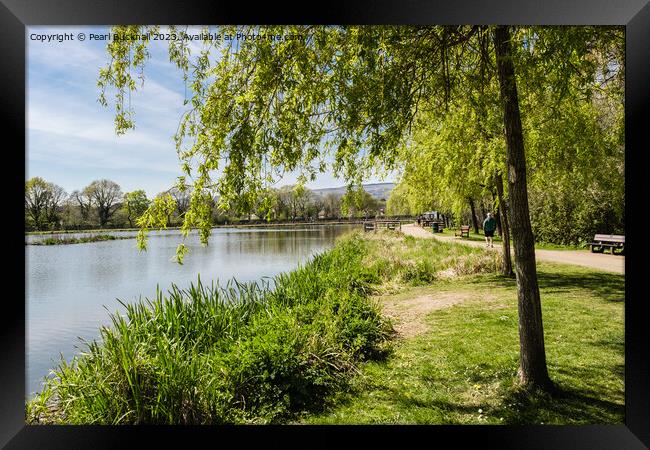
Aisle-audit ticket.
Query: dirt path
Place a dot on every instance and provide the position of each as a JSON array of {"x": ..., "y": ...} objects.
[
  {"x": 609, "y": 263},
  {"x": 409, "y": 313}
]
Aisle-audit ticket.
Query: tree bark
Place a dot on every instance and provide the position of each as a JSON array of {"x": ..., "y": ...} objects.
[
  {"x": 505, "y": 227},
  {"x": 532, "y": 370},
  {"x": 474, "y": 219}
]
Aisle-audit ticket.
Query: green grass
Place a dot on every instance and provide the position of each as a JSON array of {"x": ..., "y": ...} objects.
[
  {"x": 82, "y": 240},
  {"x": 463, "y": 370},
  {"x": 551, "y": 246}
]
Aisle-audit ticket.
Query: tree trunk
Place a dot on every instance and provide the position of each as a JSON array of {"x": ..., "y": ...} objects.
[
  {"x": 102, "y": 216},
  {"x": 474, "y": 219},
  {"x": 36, "y": 217},
  {"x": 497, "y": 215},
  {"x": 505, "y": 227},
  {"x": 532, "y": 370}
]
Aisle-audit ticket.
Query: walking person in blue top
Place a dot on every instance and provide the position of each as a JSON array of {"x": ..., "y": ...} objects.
[{"x": 489, "y": 225}]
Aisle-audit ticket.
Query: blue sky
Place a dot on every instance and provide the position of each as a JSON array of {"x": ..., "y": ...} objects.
[{"x": 71, "y": 140}]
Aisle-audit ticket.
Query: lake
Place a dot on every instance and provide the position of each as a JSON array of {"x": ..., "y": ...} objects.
[{"x": 70, "y": 289}]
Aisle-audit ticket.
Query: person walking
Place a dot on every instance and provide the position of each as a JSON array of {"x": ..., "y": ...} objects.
[{"x": 489, "y": 225}]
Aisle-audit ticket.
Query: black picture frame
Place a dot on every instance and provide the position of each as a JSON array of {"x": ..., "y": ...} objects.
[{"x": 15, "y": 15}]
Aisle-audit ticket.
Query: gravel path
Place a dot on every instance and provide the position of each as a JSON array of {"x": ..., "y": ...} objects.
[{"x": 601, "y": 261}]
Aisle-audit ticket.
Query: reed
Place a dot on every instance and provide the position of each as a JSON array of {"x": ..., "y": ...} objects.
[{"x": 65, "y": 241}]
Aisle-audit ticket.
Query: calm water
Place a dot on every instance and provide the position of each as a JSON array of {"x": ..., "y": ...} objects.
[{"x": 70, "y": 287}]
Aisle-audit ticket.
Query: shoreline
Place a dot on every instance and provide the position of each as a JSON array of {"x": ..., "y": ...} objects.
[{"x": 234, "y": 225}]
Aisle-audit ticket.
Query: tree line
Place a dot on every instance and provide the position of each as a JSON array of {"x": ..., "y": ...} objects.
[{"x": 102, "y": 204}]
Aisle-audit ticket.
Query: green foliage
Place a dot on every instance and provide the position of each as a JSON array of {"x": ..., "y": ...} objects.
[
  {"x": 421, "y": 99},
  {"x": 135, "y": 204},
  {"x": 156, "y": 215},
  {"x": 572, "y": 109},
  {"x": 104, "y": 195},
  {"x": 398, "y": 202},
  {"x": 577, "y": 182},
  {"x": 359, "y": 203}
]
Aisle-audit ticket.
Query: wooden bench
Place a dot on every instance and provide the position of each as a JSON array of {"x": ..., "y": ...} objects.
[
  {"x": 603, "y": 241},
  {"x": 463, "y": 232}
]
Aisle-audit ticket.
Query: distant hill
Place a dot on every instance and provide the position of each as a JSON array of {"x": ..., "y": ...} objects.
[{"x": 377, "y": 190}]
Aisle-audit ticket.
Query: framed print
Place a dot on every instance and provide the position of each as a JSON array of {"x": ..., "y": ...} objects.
[{"x": 414, "y": 221}]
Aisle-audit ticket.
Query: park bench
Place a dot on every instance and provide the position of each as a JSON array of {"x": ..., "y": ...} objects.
[
  {"x": 463, "y": 231},
  {"x": 603, "y": 241}
]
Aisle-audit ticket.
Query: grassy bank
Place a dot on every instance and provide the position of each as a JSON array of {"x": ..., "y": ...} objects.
[
  {"x": 82, "y": 240},
  {"x": 461, "y": 367}
]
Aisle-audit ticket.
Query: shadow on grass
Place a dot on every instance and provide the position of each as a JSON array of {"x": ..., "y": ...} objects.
[
  {"x": 617, "y": 346},
  {"x": 562, "y": 277},
  {"x": 518, "y": 407},
  {"x": 437, "y": 404},
  {"x": 608, "y": 286},
  {"x": 564, "y": 406}
]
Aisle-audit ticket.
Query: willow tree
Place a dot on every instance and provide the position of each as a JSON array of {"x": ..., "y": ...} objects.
[
  {"x": 574, "y": 130},
  {"x": 268, "y": 100},
  {"x": 451, "y": 163},
  {"x": 457, "y": 155}
]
